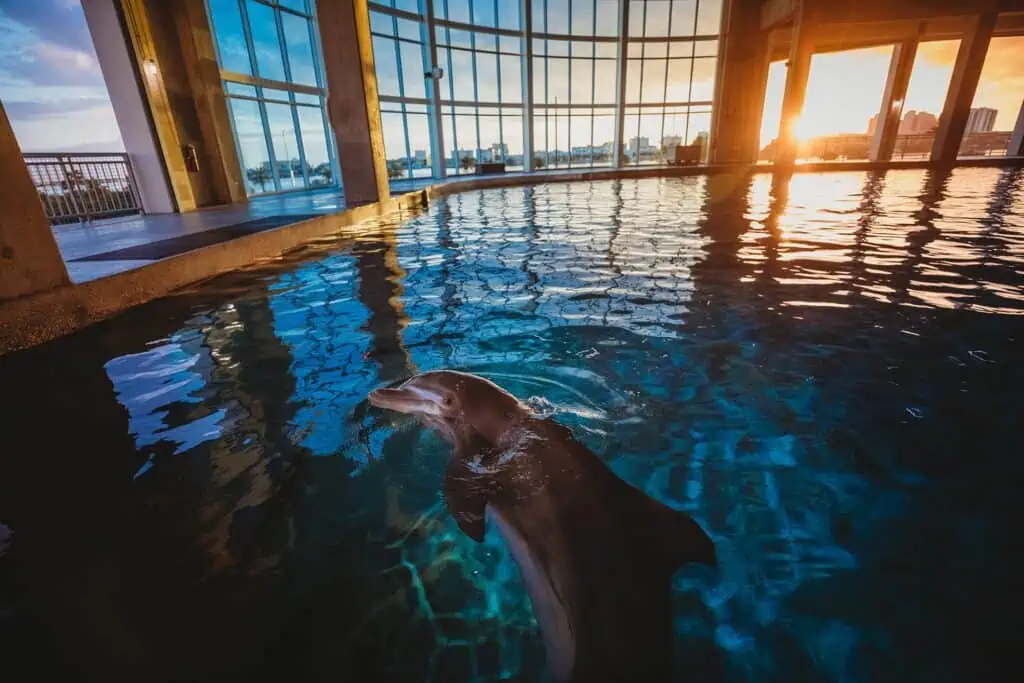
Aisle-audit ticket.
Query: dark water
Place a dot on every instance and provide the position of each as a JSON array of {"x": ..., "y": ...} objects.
[{"x": 826, "y": 372}]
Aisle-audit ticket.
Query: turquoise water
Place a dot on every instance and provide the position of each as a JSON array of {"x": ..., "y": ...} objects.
[{"x": 824, "y": 371}]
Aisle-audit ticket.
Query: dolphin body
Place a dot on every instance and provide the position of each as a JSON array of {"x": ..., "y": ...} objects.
[{"x": 595, "y": 553}]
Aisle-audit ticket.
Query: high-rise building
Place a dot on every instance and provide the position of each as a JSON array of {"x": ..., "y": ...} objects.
[
  {"x": 873, "y": 124},
  {"x": 918, "y": 123},
  {"x": 981, "y": 120}
]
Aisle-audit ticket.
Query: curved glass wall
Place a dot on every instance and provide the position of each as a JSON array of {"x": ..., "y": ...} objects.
[
  {"x": 472, "y": 86},
  {"x": 269, "y": 57}
]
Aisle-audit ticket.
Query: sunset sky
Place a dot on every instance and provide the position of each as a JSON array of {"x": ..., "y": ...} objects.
[{"x": 53, "y": 90}]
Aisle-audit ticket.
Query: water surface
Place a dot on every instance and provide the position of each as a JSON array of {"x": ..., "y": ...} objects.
[{"x": 825, "y": 371}]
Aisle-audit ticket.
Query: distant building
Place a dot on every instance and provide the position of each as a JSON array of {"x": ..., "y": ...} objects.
[
  {"x": 671, "y": 141},
  {"x": 640, "y": 146},
  {"x": 873, "y": 124},
  {"x": 981, "y": 120},
  {"x": 498, "y": 151},
  {"x": 918, "y": 123},
  {"x": 421, "y": 157}
]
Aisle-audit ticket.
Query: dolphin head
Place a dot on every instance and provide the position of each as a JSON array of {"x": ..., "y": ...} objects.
[{"x": 459, "y": 406}]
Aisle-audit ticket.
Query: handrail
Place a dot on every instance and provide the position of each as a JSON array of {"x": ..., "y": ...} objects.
[{"x": 81, "y": 187}]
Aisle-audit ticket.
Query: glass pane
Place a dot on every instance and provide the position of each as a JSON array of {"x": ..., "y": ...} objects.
[
  {"x": 703, "y": 80},
  {"x": 604, "y": 81},
  {"x": 408, "y": 29},
  {"x": 458, "y": 10},
  {"x": 297, "y": 5},
  {"x": 227, "y": 27},
  {"x": 490, "y": 139},
  {"x": 381, "y": 23},
  {"x": 408, "y": 5},
  {"x": 386, "y": 65},
  {"x": 709, "y": 19},
  {"x": 419, "y": 143},
  {"x": 394, "y": 143},
  {"x": 286, "y": 146},
  {"x": 607, "y": 17},
  {"x": 539, "y": 80},
  {"x": 560, "y": 137},
  {"x": 451, "y": 163},
  {"x": 300, "y": 50},
  {"x": 678, "y": 80},
  {"x": 487, "y": 77},
  {"x": 240, "y": 89},
  {"x": 583, "y": 17},
  {"x": 314, "y": 144},
  {"x": 684, "y": 13},
  {"x": 508, "y": 15},
  {"x": 462, "y": 74},
  {"x": 637, "y": 14},
  {"x": 582, "y": 81},
  {"x": 558, "y": 81},
  {"x": 604, "y": 134},
  {"x": 656, "y": 21},
  {"x": 465, "y": 157},
  {"x": 252, "y": 145},
  {"x": 269, "y": 62},
  {"x": 304, "y": 98},
  {"x": 483, "y": 12},
  {"x": 558, "y": 16},
  {"x": 633, "y": 81},
  {"x": 444, "y": 60},
  {"x": 654, "y": 81},
  {"x": 511, "y": 79},
  {"x": 412, "y": 70},
  {"x": 512, "y": 136}
]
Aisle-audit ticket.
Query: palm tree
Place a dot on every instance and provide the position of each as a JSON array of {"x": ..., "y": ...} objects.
[
  {"x": 467, "y": 162},
  {"x": 260, "y": 174}
]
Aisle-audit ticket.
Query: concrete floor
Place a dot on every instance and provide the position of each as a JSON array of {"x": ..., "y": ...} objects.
[{"x": 79, "y": 240}]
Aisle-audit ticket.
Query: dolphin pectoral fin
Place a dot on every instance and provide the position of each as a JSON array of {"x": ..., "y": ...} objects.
[
  {"x": 466, "y": 496},
  {"x": 677, "y": 537}
]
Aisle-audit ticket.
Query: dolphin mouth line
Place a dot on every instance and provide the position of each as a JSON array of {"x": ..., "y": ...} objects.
[{"x": 407, "y": 399}]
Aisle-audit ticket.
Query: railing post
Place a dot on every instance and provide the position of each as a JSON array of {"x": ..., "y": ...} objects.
[
  {"x": 70, "y": 186},
  {"x": 132, "y": 187}
]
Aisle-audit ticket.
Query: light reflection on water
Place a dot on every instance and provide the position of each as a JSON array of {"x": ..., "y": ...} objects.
[{"x": 823, "y": 370}]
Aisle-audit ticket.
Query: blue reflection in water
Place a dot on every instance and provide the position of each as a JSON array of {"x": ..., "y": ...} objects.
[{"x": 823, "y": 370}]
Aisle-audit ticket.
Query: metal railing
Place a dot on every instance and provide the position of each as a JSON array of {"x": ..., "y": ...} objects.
[{"x": 81, "y": 187}]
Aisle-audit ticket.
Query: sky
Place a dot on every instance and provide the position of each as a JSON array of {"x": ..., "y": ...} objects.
[
  {"x": 844, "y": 89},
  {"x": 50, "y": 82}
]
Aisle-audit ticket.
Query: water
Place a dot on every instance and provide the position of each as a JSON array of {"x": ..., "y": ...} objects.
[{"x": 825, "y": 372}]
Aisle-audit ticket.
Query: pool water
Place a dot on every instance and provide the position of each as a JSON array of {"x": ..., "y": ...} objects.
[{"x": 825, "y": 371}]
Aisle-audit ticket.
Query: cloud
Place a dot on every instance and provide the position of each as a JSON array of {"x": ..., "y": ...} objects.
[{"x": 55, "y": 21}]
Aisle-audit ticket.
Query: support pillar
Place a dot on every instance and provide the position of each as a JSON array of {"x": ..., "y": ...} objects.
[
  {"x": 1016, "y": 146},
  {"x": 743, "y": 65},
  {"x": 526, "y": 46},
  {"x": 798, "y": 70},
  {"x": 131, "y": 108},
  {"x": 620, "y": 87},
  {"x": 428, "y": 36},
  {"x": 29, "y": 259},
  {"x": 900, "y": 67},
  {"x": 352, "y": 105},
  {"x": 962, "y": 86}
]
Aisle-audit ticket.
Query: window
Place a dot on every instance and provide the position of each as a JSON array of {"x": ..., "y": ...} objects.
[
  {"x": 670, "y": 77},
  {"x": 269, "y": 59},
  {"x": 664, "y": 59}
]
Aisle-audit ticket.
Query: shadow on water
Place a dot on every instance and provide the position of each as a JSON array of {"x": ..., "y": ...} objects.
[{"x": 823, "y": 370}]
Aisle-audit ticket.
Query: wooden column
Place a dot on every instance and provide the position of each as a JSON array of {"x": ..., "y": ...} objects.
[
  {"x": 798, "y": 70},
  {"x": 352, "y": 105},
  {"x": 900, "y": 67},
  {"x": 962, "y": 86},
  {"x": 1016, "y": 146},
  {"x": 29, "y": 259},
  {"x": 739, "y": 85}
]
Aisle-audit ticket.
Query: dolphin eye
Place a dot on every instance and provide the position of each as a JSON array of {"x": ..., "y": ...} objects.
[{"x": 447, "y": 401}]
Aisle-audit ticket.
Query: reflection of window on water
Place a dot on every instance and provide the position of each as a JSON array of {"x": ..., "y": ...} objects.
[{"x": 270, "y": 62}]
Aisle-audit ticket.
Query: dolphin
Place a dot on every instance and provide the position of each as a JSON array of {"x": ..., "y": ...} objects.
[{"x": 596, "y": 554}]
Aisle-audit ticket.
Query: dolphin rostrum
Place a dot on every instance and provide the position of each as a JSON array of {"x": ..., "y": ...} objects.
[{"x": 595, "y": 553}]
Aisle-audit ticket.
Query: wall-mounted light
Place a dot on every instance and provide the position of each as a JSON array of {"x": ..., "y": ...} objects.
[{"x": 150, "y": 66}]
